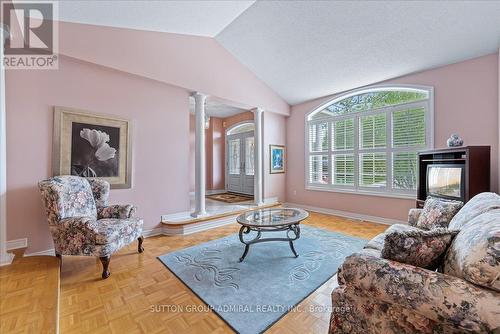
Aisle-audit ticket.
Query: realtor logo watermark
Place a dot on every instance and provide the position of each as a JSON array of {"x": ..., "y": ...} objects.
[{"x": 30, "y": 32}]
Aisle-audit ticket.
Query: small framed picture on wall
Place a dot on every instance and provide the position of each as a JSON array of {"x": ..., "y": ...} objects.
[
  {"x": 92, "y": 145},
  {"x": 277, "y": 156}
]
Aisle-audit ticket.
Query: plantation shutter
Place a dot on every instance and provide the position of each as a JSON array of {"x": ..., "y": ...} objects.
[
  {"x": 408, "y": 128},
  {"x": 368, "y": 142},
  {"x": 404, "y": 170},
  {"x": 318, "y": 169},
  {"x": 318, "y": 137},
  {"x": 373, "y": 170},
  {"x": 372, "y": 131},
  {"x": 343, "y": 134},
  {"x": 343, "y": 169}
]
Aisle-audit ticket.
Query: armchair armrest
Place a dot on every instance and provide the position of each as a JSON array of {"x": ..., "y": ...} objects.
[
  {"x": 88, "y": 224},
  {"x": 413, "y": 215},
  {"x": 67, "y": 230},
  {"x": 436, "y": 296},
  {"x": 116, "y": 211}
]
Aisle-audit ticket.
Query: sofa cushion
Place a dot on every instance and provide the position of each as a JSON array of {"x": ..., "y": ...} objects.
[
  {"x": 479, "y": 204},
  {"x": 111, "y": 229},
  {"x": 378, "y": 242},
  {"x": 437, "y": 212},
  {"x": 474, "y": 255},
  {"x": 371, "y": 252},
  {"x": 419, "y": 248}
]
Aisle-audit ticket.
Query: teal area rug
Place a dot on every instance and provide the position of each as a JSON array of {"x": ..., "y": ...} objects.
[{"x": 252, "y": 295}]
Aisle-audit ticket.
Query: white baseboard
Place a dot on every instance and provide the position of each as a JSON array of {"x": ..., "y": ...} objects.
[
  {"x": 346, "y": 214},
  {"x": 271, "y": 200},
  {"x": 209, "y": 192},
  {"x": 215, "y": 191},
  {"x": 162, "y": 230},
  {"x": 17, "y": 243},
  {"x": 49, "y": 252},
  {"x": 152, "y": 232},
  {"x": 6, "y": 259}
]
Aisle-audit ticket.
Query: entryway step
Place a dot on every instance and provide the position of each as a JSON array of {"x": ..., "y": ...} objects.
[{"x": 179, "y": 224}]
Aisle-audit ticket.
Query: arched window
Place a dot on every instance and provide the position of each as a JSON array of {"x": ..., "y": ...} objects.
[{"x": 366, "y": 141}]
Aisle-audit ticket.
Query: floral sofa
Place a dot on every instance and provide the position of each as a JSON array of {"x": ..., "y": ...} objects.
[
  {"x": 81, "y": 221},
  {"x": 376, "y": 295}
]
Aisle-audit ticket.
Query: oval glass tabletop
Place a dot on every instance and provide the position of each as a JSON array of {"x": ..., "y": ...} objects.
[{"x": 272, "y": 217}]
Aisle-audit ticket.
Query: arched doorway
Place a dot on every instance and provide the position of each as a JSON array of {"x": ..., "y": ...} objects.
[{"x": 240, "y": 149}]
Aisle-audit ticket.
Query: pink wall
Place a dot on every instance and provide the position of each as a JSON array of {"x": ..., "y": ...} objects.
[
  {"x": 214, "y": 154},
  {"x": 192, "y": 141},
  {"x": 209, "y": 156},
  {"x": 191, "y": 62},
  {"x": 214, "y": 151},
  {"x": 466, "y": 102},
  {"x": 275, "y": 133},
  {"x": 218, "y": 153},
  {"x": 215, "y": 146},
  {"x": 160, "y": 140},
  {"x": 143, "y": 76},
  {"x": 232, "y": 120}
]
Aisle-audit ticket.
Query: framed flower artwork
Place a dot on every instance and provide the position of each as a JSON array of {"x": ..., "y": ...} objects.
[{"x": 92, "y": 145}]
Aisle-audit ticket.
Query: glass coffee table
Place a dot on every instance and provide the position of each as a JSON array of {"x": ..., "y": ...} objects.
[{"x": 271, "y": 220}]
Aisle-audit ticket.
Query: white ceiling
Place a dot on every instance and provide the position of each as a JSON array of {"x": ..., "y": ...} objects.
[
  {"x": 304, "y": 50},
  {"x": 217, "y": 109},
  {"x": 203, "y": 18},
  {"x": 308, "y": 49}
]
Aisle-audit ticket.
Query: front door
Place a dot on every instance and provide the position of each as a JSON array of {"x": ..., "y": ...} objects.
[{"x": 240, "y": 162}]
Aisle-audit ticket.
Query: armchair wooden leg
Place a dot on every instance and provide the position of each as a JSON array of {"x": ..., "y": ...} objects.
[
  {"x": 140, "y": 249},
  {"x": 105, "y": 264}
]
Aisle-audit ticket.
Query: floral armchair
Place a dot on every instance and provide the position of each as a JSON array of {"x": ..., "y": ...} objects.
[{"x": 81, "y": 221}]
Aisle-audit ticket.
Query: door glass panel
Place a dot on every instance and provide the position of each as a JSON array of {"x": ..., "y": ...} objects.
[
  {"x": 249, "y": 155},
  {"x": 234, "y": 156}
]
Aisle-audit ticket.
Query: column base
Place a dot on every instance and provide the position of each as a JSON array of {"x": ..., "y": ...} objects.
[
  {"x": 6, "y": 259},
  {"x": 199, "y": 214}
]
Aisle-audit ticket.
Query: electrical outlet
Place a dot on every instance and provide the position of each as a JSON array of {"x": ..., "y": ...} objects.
[{"x": 295, "y": 192}]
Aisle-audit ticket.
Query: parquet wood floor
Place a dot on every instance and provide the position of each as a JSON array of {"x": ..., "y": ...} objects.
[
  {"x": 29, "y": 295},
  {"x": 125, "y": 302}
]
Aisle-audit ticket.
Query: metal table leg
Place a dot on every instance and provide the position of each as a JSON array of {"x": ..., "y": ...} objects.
[{"x": 247, "y": 229}]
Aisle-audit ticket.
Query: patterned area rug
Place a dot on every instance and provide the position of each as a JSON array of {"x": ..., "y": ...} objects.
[
  {"x": 230, "y": 197},
  {"x": 252, "y": 295}
]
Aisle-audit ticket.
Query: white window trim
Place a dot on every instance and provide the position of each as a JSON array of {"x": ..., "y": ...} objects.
[{"x": 388, "y": 150}]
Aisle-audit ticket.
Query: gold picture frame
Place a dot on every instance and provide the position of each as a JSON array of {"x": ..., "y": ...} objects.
[
  {"x": 277, "y": 159},
  {"x": 92, "y": 145}
]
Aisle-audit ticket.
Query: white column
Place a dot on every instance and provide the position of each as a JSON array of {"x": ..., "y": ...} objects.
[
  {"x": 258, "y": 142},
  {"x": 200, "y": 163},
  {"x": 5, "y": 258}
]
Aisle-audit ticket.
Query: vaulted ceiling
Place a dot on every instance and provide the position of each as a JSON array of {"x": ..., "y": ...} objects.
[
  {"x": 202, "y": 18},
  {"x": 308, "y": 49}
]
